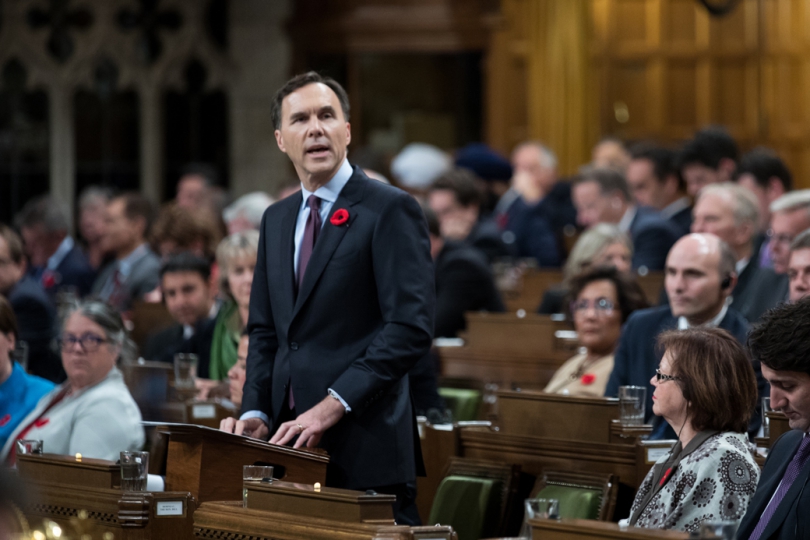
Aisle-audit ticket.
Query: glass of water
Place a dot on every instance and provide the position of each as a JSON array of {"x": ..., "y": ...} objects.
[
  {"x": 538, "y": 509},
  {"x": 255, "y": 473},
  {"x": 718, "y": 530},
  {"x": 632, "y": 405},
  {"x": 766, "y": 422},
  {"x": 134, "y": 470},
  {"x": 185, "y": 370},
  {"x": 29, "y": 446}
]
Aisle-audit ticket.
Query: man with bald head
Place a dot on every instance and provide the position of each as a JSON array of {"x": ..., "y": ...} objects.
[
  {"x": 699, "y": 277},
  {"x": 731, "y": 212}
]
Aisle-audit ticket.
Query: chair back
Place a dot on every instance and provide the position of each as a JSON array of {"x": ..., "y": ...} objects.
[{"x": 581, "y": 495}]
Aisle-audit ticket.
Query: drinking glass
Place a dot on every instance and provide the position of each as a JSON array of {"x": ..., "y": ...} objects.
[
  {"x": 632, "y": 403},
  {"x": 134, "y": 470},
  {"x": 29, "y": 446},
  {"x": 718, "y": 530},
  {"x": 540, "y": 509},
  {"x": 766, "y": 422},
  {"x": 255, "y": 473},
  {"x": 185, "y": 370}
]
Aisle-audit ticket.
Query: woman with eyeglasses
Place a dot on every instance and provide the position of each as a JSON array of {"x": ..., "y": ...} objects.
[
  {"x": 706, "y": 390},
  {"x": 92, "y": 413},
  {"x": 601, "y": 299}
]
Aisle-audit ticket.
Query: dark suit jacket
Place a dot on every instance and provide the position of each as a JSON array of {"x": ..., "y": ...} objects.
[
  {"x": 682, "y": 221},
  {"x": 464, "y": 282},
  {"x": 362, "y": 318},
  {"x": 758, "y": 290},
  {"x": 539, "y": 230},
  {"x": 488, "y": 239},
  {"x": 652, "y": 238},
  {"x": 792, "y": 519},
  {"x": 36, "y": 321},
  {"x": 144, "y": 277}
]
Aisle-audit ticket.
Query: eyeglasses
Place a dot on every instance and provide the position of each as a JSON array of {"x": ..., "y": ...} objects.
[
  {"x": 89, "y": 342},
  {"x": 663, "y": 377},
  {"x": 602, "y": 306}
]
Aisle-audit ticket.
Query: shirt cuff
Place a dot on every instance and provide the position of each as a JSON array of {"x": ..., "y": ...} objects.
[
  {"x": 340, "y": 399},
  {"x": 256, "y": 414}
]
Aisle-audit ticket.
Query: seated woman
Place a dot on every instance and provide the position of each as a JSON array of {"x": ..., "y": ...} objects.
[
  {"x": 602, "y": 244},
  {"x": 236, "y": 375},
  {"x": 19, "y": 391},
  {"x": 706, "y": 390},
  {"x": 91, "y": 413},
  {"x": 602, "y": 299}
]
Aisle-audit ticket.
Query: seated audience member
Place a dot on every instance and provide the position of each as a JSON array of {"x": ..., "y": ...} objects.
[
  {"x": 236, "y": 375},
  {"x": 136, "y": 269},
  {"x": 178, "y": 229},
  {"x": 492, "y": 172},
  {"x": 705, "y": 389},
  {"x": 765, "y": 175},
  {"x": 92, "y": 413},
  {"x": 698, "y": 279},
  {"x": 19, "y": 392},
  {"x": 195, "y": 188},
  {"x": 92, "y": 212},
  {"x": 778, "y": 510},
  {"x": 236, "y": 257},
  {"x": 654, "y": 182},
  {"x": 601, "y": 300},
  {"x": 185, "y": 280},
  {"x": 464, "y": 281},
  {"x": 602, "y": 196},
  {"x": 790, "y": 215},
  {"x": 730, "y": 211},
  {"x": 799, "y": 267},
  {"x": 610, "y": 153},
  {"x": 56, "y": 261},
  {"x": 601, "y": 245},
  {"x": 536, "y": 201},
  {"x": 709, "y": 158},
  {"x": 36, "y": 315},
  {"x": 417, "y": 166},
  {"x": 245, "y": 213},
  {"x": 456, "y": 200}
]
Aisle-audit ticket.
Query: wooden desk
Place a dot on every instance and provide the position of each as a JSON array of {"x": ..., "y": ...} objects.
[
  {"x": 526, "y": 291},
  {"x": 583, "y": 529}
]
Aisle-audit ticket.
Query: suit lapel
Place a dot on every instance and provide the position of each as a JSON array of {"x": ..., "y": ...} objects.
[
  {"x": 786, "y": 505},
  {"x": 288, "y": 254},
  {"x": 329, "y": 239}
]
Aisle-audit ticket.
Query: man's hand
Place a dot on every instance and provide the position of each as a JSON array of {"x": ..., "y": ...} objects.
[
  {"x": 311, "y": 425},
  {"x": 249, "y": 427},
  {"x": 524, "y": 183}
]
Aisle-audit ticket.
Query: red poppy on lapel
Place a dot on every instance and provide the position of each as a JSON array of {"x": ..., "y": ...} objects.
[
  {"x": 588, "y": 378},
  {"x": 5, "y": 420},
  {"x": 340, "y": 217},
  {"x": 48, "y": 279}
]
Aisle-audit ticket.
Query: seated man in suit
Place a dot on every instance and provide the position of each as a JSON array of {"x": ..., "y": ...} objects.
[
  {"x": 655, "y": 183},
  {"x": 709, "y": 158},
  {"x": 56, "y": 261},
  {"x": 778, "y": 511},
  {"x": 185, "y": 280},
  {"x": 699, "y": 278},
  {"x": 602, "y": 196},
  {"x": 456, "y": 199},
  {"x": 790, "y": 215},
  {"x": 730, "y": 211},
  {"x": 135, "y": 270},
  {"x": 36, "y": 316},
  {"x": 799, "y": 267}
]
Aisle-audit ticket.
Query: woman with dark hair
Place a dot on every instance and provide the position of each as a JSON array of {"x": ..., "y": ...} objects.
[
  {"x": 601, "y": 299},
  {"x": 92, "y": 413},
  {"x": 19, "y": 391},
  {"x": 706, "y": 390}
]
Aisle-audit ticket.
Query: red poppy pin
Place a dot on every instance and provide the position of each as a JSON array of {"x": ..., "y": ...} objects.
[
  {"x": 588, "y": 378},
  {"x": 48, "y": 279},
  {"x": 340, "y": 217}
]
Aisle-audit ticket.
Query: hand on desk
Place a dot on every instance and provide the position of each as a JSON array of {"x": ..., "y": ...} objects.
[
  {"x": 249, "y": 427},
  {"x": 311, "y": 425}
]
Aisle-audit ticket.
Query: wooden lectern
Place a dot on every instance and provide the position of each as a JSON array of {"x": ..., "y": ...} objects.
[{"x": 584, "y": 529}]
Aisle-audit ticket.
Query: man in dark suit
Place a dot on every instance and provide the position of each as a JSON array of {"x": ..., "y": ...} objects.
[
  {"x": 655, "y": 183},
  {"x": 55, "y": 261},
  {"x": 710, "y": 157},
  {"x": 36, "y": 316},
  {"x": 341, "y": 306},
  {"x": 778, "y": 510},
  {"x": 799, "y": 267},
  {"x": 730, "y": 211},
  {"x": 602, "y": 196},
  {"x": 699, "y": 278}
]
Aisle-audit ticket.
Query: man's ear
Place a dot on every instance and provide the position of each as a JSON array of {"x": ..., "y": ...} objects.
[
  {"x": 279, "y": 140},
  {"x": 348, "y": 133}
]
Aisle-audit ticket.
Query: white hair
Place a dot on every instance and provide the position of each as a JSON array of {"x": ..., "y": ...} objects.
[
  {"x": 250, "y": 206},
  {"x": 746, "y": 207},
  {"x": 547, "y": 157},
  {"x": 419, "y": 164},
  {"x": 795, "y": 200}
]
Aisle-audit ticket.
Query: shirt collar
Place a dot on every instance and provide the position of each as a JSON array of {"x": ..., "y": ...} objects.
[
  {"x": 674, "y": 207},
  {"x": 740, "y": 266},
  {"x": 60, "y": 253},
  {"x": 627, "y": 218},
  {"x": 683, "y": 324},
  {"x": 330, "y": 191},
  {"x": 125, "y": 265}
]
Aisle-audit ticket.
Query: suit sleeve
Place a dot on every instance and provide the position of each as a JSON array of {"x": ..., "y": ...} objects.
[
  {"x": 619, "y": 375},
  {"x": 404, "y": 277},
  {"x": 263, "y": 338},
  {"x": 651, "y": 246}
]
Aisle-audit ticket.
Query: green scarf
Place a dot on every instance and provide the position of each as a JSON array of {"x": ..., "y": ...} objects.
[{"x": 225, "y": 342}]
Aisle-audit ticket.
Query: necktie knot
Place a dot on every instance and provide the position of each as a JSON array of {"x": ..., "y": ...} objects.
[{"x": 314, "y": 203}]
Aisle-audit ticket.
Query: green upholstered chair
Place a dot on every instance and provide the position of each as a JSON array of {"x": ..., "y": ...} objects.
[
  {"x": 581, "y": 495},
  {"x": 473, "y": 497},
  {"x": 464, "y": 403}
]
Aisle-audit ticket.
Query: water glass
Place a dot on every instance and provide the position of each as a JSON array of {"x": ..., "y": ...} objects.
[
  {"x": 766, "y": 422},
  {"x": 538, "y": 509},
  {"x": 718, "y": 530},
  {"x": 29, "y": 447},
  {"x": 134, "y": 470},
  {"x": 632, "y": 405},
  {"x": 255, "y": 473},
  {"x": 185, "y": 370}
]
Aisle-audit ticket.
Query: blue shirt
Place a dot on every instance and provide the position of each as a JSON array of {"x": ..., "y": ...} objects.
[{"x": 19, "y": 394}]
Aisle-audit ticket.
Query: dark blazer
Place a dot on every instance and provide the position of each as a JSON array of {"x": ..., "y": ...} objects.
[
  {"x": 539, "y": 230},
  {"x": 791, "y": 520},
  {"x": 36, "y": 322},
  {"x": 486, "y": 237},
  {"x": 464, "y": 282},
  {"x": 362, "y": 318},
  {"x": 682, "y": 221},
  {"x": 74, "y": 272},
  {"x": 652, "y": 238},
  {"x": 162, "y": 345},
  {"x": 758, "y": 290},
  {"x": 144, "y": 277}
]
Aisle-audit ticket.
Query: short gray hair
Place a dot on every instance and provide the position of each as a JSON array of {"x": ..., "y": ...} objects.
[
  {"x": 609, "y": 180},
  {"x": 250, "y": 206},
  {"x": 802, "y": 241},
  {"x": 795, "y": 200},
  {"x": 94, "y": 194},
  {"x": 746, "y": 207},
  {"x": 241, "y": 244},
  {"x": 101, "y": 313},
  {"x": 547, "y": 156},
  {"x": 46, "y": 211},
  {"x": 728, "y": 260},
  {"x": 590, "y": 244}
]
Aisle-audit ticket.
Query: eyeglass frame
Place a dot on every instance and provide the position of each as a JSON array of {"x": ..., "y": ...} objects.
[
  {"x": 68, "y": 342},
  {"x": 663, "y": 377},
  {"x": 588, "y": 304}
]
